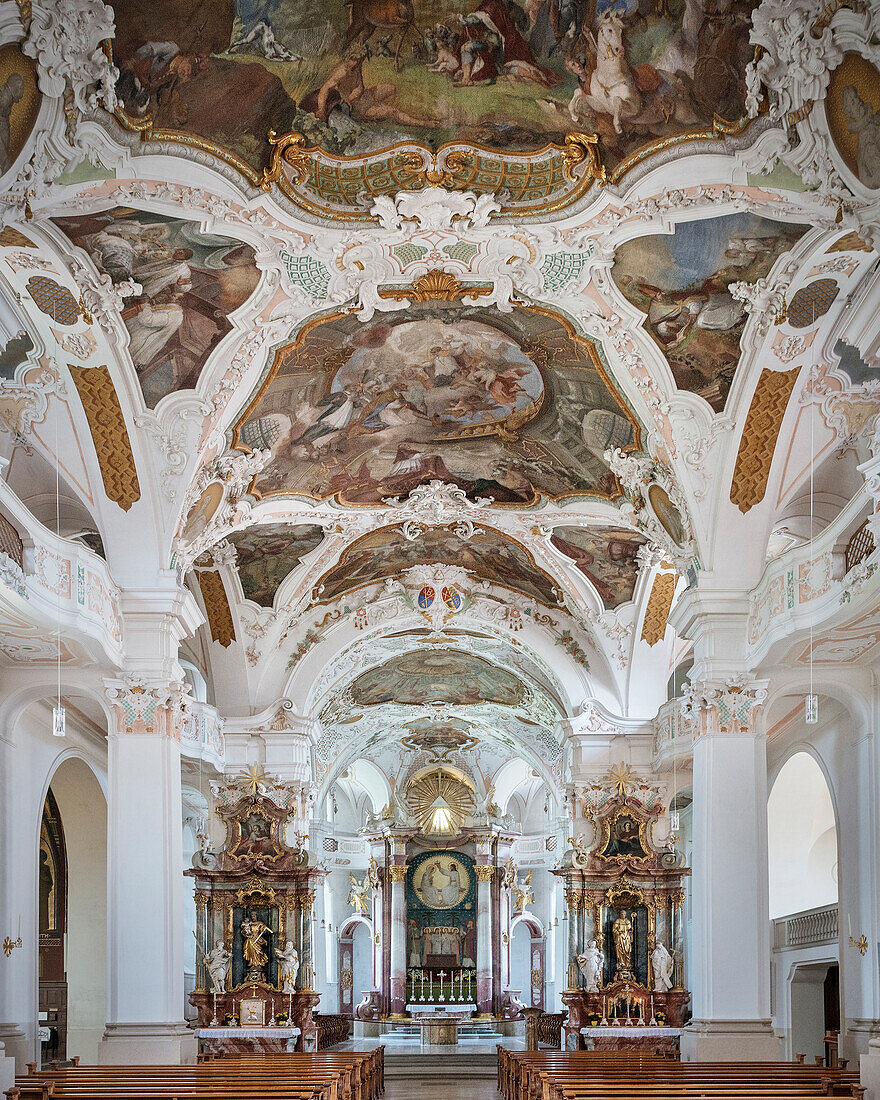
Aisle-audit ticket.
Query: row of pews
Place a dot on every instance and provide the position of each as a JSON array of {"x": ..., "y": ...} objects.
[
  {"x": 623, "y": 1075},
  {"x": 325, "y": 1075}
]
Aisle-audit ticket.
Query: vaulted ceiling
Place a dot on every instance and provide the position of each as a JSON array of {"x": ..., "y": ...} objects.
[{"x": 436, "y": 363}]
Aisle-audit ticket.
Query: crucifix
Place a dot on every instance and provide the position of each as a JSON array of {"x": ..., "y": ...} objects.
[{"x": 441, "y": 976}]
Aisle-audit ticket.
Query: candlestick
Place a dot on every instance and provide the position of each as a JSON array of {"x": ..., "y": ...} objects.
[
  {"x": 604, "y": 1021},
  {"x": 653, "y": 1017}
]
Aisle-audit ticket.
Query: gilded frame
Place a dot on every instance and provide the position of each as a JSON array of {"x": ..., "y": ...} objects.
[
  {"x": 236, "y": 835},
  {"x": 608, "y": 822}
]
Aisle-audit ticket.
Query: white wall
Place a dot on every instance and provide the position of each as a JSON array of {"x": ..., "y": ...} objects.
[{"x": 802, "y": 839}]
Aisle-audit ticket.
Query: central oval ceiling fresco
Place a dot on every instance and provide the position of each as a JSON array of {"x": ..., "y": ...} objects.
[
  {"x": 506, "y": 407},
  {"x": 444, "y": 676}
]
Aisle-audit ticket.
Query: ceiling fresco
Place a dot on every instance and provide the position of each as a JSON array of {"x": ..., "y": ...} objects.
[
  {"x": 440, "y": 676},
  {"x": 851, "y": 107},
  {"x": 19, "y": 103},
  {"x": 267, "y": 553},
  {"x": 361, "y": 76},
  {"x": 438, "y": 738},
  {"x": 681, "y": 281},
  {"x": 488, "y": 555},
  {"x": 190, "y": 282},
  {"x": 504, "y": 406},
  {"x": 606, "y": 556}
]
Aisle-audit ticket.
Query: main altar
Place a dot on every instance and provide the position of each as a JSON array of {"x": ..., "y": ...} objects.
[
  {"x": 254, "y": 898},
  {"x": 624, "y": 899}
]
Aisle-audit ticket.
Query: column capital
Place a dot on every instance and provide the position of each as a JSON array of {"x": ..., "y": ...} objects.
[
  {"x": 485, "y": 872},
  {"x": 141, "y": 706},
  {"x": 731, "y": 706},
  {"x": 397, "y": 872}
]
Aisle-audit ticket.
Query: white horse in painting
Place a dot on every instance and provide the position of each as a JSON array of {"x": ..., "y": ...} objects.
[
  {"x": 614, "y": 91},
  {"x": 613, "y": 88}
]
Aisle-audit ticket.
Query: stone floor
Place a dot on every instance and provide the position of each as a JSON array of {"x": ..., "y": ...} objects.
[{"x": 454, "y": 1088}]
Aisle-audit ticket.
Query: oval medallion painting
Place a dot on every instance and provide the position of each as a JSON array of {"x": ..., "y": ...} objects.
[
  {"x": 19, "y": 103},
  {"x": 667, "y": 514},
  {"x": 852, "y": 107}
]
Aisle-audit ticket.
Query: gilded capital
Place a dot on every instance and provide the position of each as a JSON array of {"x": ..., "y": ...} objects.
[
  {"x": 397, "y": 872},
  {"x": 485, "y": 872}
]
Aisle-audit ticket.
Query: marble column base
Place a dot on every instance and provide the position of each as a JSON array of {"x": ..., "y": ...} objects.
[
  {"x": 148, "y": 1044},
  {"x": 869, "y": 1067},
  {"x": 729, "y": 1041}
]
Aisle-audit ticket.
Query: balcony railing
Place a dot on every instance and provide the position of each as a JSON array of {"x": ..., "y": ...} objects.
[{"x": 807, "y": 929}]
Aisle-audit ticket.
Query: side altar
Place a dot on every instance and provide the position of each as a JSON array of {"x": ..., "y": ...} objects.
[
  {"x": 254, "y": 899},
  {"x": 624, "y": 897}
]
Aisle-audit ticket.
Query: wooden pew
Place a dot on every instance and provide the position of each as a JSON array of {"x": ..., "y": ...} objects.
[{"x": 324, "y": 1075}]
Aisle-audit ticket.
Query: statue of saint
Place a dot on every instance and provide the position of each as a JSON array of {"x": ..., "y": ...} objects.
[
  {"x": 622, "y": 929},
  {"x": 590, "y": 965},
  {"x": 662, "y": 964},
  {"x": 254, "y": 932},
  {"x": 217, "y": 965},
  {"x": 288, "y": 967}
]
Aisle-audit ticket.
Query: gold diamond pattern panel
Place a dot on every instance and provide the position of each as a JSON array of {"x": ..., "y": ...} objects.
[
  {"x": 217, "y": 608},
  {"x": 109, "y": 434},
  {"x": 759, "y": 437},
  {"x": 657, "y": 611}
]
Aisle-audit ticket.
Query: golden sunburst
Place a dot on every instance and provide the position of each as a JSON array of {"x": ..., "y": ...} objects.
[{"x": 441, "y": 800}]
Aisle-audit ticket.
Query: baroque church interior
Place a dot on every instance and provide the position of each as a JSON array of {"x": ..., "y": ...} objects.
[{"x": 439, "y": 594}]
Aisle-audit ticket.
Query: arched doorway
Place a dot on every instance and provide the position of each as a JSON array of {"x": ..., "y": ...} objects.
[
  {"x": 802, "y": 851},
  {"x": 527, "y": 961},
  {"x": 73, "y": 897},
  {"x": 355, "y": 964}
]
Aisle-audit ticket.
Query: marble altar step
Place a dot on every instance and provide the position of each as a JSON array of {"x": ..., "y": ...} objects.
[{"x": 447, "y": 1063}]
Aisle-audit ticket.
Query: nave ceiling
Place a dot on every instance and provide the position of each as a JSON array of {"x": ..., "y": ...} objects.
[{"x": 439, "y": 406}]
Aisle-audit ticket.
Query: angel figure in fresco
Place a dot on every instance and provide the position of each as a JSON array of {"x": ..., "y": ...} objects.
[
  {"x": 359, "y": 895},
  {"x": 254, "y": 932}
]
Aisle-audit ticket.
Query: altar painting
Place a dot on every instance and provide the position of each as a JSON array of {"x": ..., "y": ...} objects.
[
  {"x": 360, "y": 76},
  {"x": 190, "y": 282},
  {"x": 440, "y": 676},
  {"x": 623, "y": 838},
  {"x": 441, "y": 904},
  {"x": 681, "y": 281},
  {"x": 504, "y": 407},
  {"x": 487, "y": 554}
]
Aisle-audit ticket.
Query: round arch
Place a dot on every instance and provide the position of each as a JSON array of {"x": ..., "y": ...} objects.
[
  {"x": 82, "y": 806},
  {"x": 802, "y": 837}
]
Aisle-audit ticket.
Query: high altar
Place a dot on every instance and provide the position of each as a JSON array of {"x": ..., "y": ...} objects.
[
  {"x": 254, "y": 902},
  {"x": 440, "y": 909},
  {"x": 624, "y": 898}
]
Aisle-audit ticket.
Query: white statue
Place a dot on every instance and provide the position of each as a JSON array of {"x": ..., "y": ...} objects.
[
  {"x": 217, "y": 964},
  {"x": 662, "y": 964},
  {"x": 590, "y": 965},
  {"x": 288, "y": 967}
]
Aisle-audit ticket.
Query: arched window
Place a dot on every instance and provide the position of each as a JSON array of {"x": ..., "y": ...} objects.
[{"x": 802, "y": 839}]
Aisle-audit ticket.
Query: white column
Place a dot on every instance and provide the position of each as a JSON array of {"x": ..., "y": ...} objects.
[
  {"x": 397, "y": 874},
  {"x": 145, "y": 885},
  {"x": 730, "y": 942}
]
